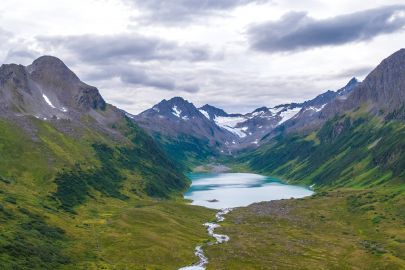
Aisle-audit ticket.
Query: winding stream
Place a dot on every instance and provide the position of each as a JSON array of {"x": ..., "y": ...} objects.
[
  {"x": 219, "y": 238},
  {"x": 224, "y": 191}
]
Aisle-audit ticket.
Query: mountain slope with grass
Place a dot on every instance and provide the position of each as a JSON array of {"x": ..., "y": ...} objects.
[
  {"x": 360, "y": 142},
  {"x": 80, "y": 182},
  {"x": 354, "y": 157}
]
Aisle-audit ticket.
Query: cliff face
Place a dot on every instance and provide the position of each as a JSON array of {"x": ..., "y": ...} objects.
[
  {"x": 381, "y": 93},
  {"x": 47, "y": 88}
]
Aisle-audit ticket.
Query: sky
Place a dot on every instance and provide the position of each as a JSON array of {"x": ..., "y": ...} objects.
[{"x": 234, "y": 54}]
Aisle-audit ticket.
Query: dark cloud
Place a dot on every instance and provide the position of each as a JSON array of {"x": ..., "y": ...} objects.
[
  {"x": 128, "y": 47},
  {"x": 134, "y": 59},
  {"x": 297, "y": 31},
  {"x": 134, "y": 75},
  {"x": 180, "y": 11}
]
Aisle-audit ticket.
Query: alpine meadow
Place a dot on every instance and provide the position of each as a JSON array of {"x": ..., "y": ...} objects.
[{"x": 193, "y": 135}]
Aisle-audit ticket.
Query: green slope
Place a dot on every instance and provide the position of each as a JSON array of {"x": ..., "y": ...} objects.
[
  {"x": 186, "y": 151},
  {"x": 348, "y": 151},
  {"x": 90, "y": 199},
  {"x": 340, "y": 229},
  {"x": 355, "y": 221}
]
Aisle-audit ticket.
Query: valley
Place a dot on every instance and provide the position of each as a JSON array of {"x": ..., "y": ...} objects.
[{"x": 86, "y": 185}]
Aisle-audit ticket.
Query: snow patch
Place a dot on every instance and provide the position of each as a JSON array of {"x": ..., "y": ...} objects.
[
  {"x": 205, "y": 114},
  {"x": 288, "y": 114},
  {"x": 176, "y": 111},
  {"x": 229, "y": 123},
  {"x": 316, "y": 109},
  {"x": 276, "y": 110},
  {"x": 48, "y": 101}
]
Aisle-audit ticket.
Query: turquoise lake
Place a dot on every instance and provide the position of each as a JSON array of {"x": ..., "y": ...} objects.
[{"x": 228, "y": 190}]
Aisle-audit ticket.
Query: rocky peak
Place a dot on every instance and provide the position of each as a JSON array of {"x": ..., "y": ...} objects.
[
  {"x": 45, "y": 89},
  {"x": 55, "y": 78},
  {"x": 384, "y": 87},
  {"x": 213, "y": 111},
  {"x": 348, "y": 87},
  {"x": 261, "y": 109},
  {"x": 15, "y": 74},
  {"x": 176, "y": 107},
  {"x": 51, "y": 66}
]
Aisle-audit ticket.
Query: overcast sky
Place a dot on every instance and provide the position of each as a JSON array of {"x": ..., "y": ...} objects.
[{"x": 235, "y": 54}]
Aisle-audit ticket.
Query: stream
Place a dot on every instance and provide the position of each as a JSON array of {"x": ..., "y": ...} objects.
[
  {"x": 219, "y": 238},
  {"x": 224, "y": 191}
]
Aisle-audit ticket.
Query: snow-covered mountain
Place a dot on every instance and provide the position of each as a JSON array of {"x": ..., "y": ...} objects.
[
  {"x": 178, "y": 117},
  {"x": 232, "y": 131}
]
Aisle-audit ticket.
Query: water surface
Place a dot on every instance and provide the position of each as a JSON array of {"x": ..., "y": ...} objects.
[{"x": 228, "y": 190}]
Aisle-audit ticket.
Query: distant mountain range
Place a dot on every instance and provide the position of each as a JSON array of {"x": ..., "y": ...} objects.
[{"x": 231, "y": 132}]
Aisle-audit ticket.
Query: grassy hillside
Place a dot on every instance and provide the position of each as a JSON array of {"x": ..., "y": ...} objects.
[
  {"x": 353, "y": 150},
  {"x": 187, "y": 152},
  {"x": 89, "y": 200},
  {"x": 355, "y": 221},
  {"x": 340, "y": 229}
]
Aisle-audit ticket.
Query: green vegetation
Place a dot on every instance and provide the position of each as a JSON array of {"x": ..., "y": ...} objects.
[
  {"x": 355, "y": 221},
  {"x": 355, "y": 151},
  {"x": 340, "y": 229},
  {"x": 89, "y": 200},
  {"x": 187, "y": 151}
]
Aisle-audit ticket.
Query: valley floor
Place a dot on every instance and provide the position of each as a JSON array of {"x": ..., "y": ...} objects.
[
  {"x": 340, "y": 229},
  {"x": 104, "y": 234}
]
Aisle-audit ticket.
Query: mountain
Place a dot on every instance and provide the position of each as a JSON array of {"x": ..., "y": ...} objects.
[
  {"x": 186, "y": 134},
  {"x": 75, "y": 171},
  {"x": 381, "y": 93},
  {"x": 46, "y": 96},
  {"x": 191, "y": 133},
  {"x": 358, "y": 139},
  {"x": 178, "y": 116},
  {"x": 310, "y": 115},
  {"x": 351, "y": 151},
  {"x": 212, "y": 112}
]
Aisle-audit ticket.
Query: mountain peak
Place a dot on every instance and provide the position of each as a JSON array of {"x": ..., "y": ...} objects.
[
  {"x": 385, "y": 85},
  {"x": 174, "y": 101},
  {"x": 352, "y": 81},
  {"x": 51, "y": 66},
  {"x": 177, "y": 99},
  {"x": 261, "y": 109},
  {"x": 49, "y": 60},
  {"x": 213, "y": 111}
]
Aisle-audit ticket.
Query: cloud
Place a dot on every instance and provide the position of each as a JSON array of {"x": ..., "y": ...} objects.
[
  {"x": 113, "y": 48},
  {"x": 5, "y": 35},
  {"x": 134, "y": 59},
  {"x": 141, "y": 75},
  {"x": 171, "y": 12},
  {"x": 358, "y": 72},
  {"x": 297, "y": 31}
]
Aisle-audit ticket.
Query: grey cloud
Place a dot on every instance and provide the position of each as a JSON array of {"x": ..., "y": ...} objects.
[
  {"x": 128, "y": 47},
  {"x": 298, "y": 31},
  {"x": 140, "y": 76},
  {"x": 134, "y": 59},
  {"x": 22, "y": 55},
  {"x": 180, "y": 11},
  {"x": 357, "y": 72}
]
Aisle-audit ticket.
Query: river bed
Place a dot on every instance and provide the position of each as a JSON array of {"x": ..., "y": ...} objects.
[{"x": 224, "y": 191}]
